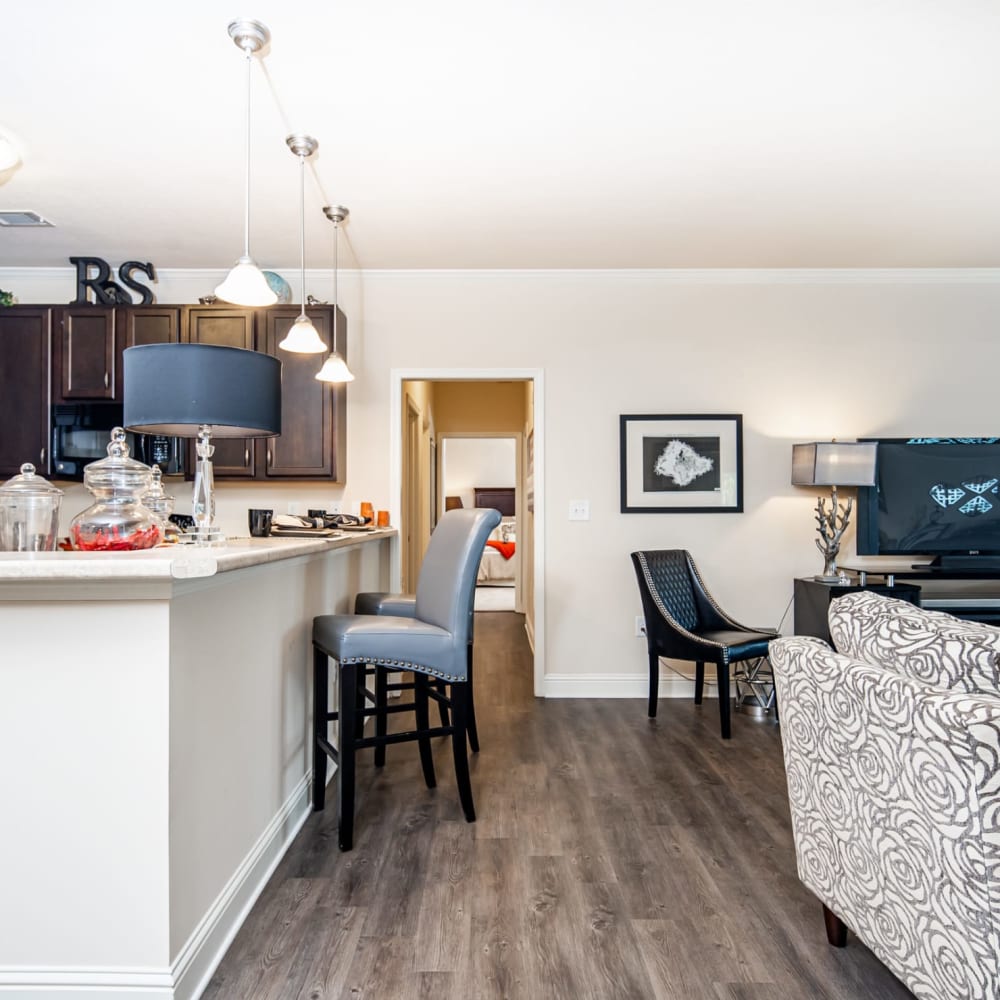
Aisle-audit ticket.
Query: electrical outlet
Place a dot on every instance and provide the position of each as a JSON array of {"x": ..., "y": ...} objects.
[
  {"x": 291, "y": 507},
  {"x": 333, "y": 508},
  {"x": 579, "y": 510},
  {"x": 640, "y": 625}
]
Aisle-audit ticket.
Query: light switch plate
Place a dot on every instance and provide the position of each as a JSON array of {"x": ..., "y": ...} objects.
[{"x": 579, "y": 510}]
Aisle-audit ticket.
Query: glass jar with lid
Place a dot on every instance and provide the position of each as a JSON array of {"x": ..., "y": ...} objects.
[
  {"x": 118, "y": 520},
  {"x": 161, "y": 505},
  {"x": 29, "y": 513}
]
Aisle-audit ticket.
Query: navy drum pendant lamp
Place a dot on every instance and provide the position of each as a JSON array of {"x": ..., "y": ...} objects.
[{"x": 202, "y": 391}]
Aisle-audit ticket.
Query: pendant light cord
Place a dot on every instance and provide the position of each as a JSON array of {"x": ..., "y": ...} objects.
[
  {"x": 336, "y": 251},
  {"x": 246, "y": 207},
  {"x": 302, "y": 227}
]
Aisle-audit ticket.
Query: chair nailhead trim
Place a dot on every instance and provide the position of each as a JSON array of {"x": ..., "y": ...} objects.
[{"x": 404, "y": 665}]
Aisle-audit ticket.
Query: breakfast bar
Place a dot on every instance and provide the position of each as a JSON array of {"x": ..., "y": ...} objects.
[{"x": 155, "y": 722}]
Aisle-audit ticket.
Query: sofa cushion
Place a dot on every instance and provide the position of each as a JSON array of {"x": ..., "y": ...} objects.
[{"x": 927, "y": 646}]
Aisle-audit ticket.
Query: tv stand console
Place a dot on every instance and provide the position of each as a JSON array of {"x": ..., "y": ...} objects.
[{"x": 964, "y": 586}]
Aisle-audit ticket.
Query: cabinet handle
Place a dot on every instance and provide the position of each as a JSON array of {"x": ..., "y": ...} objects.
[
  {"x": 106, "y": 380},
  {"x": 268, "y": 456},
  {"x": 246, "y": 456},
  {"x": 41, "y": 457}
]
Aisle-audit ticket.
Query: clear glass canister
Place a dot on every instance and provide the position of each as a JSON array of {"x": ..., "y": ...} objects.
[
  {"x": 161, "y": 505},
  {"x": 118, "y": 520},
  {"x": 29, "y": 513}
]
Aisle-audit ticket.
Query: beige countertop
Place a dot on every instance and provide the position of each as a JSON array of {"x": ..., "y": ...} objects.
[{"x": 174, "y": 562}]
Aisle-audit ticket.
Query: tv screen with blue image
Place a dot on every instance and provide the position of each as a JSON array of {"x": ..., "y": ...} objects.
[{"x": 933, "y": 496}]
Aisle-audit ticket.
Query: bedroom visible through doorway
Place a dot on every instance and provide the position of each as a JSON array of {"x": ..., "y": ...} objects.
[{"x": 482, "y": 471}]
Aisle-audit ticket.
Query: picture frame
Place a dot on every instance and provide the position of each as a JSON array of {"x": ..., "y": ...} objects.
[{"x": 681, "y": 463}]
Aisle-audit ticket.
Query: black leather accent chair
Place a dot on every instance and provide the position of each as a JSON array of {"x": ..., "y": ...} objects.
[{"x": 684, "y": 622}]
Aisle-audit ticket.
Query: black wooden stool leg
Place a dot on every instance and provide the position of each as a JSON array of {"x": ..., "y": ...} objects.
[
  {"x": 654, "y": 683},
  {"x": 321, "y": 676},
  {"x": 421, "y": 712},
  {"x": 473, "y": 731},
  {"x": 442, "y": 689},
  {"x": 725, "y": 706},
  {"x": 381, "y": 715},
  {"x": 346, "y": 751},
  {"x": 459, "y": 714},
  {"x": 699, "y": 681}
]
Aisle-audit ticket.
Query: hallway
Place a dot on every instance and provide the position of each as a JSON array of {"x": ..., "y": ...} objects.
[{"x": 613, "y": 857}]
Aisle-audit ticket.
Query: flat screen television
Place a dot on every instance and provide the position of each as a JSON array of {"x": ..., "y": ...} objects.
[{"x": 934, "y": 497}]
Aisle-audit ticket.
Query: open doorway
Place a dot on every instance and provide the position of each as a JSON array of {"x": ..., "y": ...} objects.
[
  {"x": 431, "y": 407},
  {"x": 481, "y": 470}
]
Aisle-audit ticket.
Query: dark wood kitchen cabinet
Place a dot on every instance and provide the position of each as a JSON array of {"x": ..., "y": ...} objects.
[
  {"x": 224, "y": 326},
  {"x": 67, "y": 354},
  {"x": 84, "y": 362},
  {"x": 313, "y": 414},
  {"x": 25, "y": 351},
  {"x": 89, "y": 341}
]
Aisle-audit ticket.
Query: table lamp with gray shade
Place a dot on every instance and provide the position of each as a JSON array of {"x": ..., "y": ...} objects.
[
  {"x": 202, "y": 391},
  {"x": 833, "y": 464}
]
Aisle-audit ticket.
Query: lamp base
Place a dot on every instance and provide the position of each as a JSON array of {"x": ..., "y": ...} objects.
[
  {"x": 205, "y": 537},
  {"x": 839, "y": 578}
]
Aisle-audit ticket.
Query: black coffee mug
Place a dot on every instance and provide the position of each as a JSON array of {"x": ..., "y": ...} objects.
[{"x": 260, "y": 522}]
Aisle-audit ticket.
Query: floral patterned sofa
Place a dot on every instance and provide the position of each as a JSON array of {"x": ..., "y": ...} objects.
[{"x": 892, "y": 755}]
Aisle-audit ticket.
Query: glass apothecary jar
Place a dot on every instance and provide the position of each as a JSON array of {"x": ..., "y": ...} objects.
[
  {"x": 118, "y": 520},
  {"x": 29, "y": 513},
  {"x": 161, "y": 505}
]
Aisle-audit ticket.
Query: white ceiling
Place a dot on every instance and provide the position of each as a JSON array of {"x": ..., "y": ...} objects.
[{"x": 523, "y": 134}]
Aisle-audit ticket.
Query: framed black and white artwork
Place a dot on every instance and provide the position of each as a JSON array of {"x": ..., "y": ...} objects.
[{"x": 682, "y": 464}]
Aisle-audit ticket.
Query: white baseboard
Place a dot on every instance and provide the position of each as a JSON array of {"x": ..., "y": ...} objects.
[
  {"x": 190, "y": 972},
  {"x": 203, "y": 951}
]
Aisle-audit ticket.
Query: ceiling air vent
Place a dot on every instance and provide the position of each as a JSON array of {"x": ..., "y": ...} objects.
[{"x": 22, "y": 219}]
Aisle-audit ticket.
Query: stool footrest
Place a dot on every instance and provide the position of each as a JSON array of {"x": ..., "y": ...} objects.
[
  {"x": 377, "y": 741},
  {"x": 328, "y": 748}
]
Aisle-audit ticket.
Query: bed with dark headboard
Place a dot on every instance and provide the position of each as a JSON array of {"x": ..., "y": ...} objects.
[
  {"x": 499, "y": 497},
  {"x": 499, "y": 560}
]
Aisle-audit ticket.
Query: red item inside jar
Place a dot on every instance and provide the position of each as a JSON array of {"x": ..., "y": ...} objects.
[{"x": 116, "y": 541}]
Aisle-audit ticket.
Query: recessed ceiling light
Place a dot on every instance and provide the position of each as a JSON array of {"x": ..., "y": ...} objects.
[{"x": 15, "y": 218}]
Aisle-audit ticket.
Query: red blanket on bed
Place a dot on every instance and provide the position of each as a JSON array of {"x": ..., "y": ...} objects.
[{"x": 506, "y": 549}]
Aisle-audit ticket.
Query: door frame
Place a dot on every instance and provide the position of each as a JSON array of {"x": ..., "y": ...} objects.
[{"x": 397, "y": 378}]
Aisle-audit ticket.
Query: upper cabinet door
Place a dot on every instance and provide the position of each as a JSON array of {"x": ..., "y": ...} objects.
[
  {"x": 24, "y": 388},
  {"x": 224, "y": 326},
  {"x": 146, "y": 325},
  {"x": 84, "y": 362},
  {"x": 307, "y": 446}
]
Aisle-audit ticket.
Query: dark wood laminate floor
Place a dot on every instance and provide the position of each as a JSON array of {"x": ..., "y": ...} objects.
[{"x": 613, "y": 857}]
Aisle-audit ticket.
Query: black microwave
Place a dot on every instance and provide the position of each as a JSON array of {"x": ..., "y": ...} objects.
[{"x": 81, "y": 432}]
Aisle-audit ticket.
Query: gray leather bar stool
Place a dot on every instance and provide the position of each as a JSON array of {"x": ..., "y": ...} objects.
[
  {"x": 404, "y": 606},
  {"x": 432, "y": 644}
]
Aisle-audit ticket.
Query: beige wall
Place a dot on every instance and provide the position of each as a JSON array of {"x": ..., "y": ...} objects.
[
  {"x": 475, "y": 407},
  {"x": 803, "y": 356}
]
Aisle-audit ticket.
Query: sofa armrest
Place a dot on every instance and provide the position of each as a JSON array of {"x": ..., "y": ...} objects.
[{"x": 894, "y": 789}]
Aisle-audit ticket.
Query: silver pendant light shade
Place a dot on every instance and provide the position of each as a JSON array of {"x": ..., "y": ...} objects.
[
  {"x": 245, "y": 285},
  {"x": 302, "y": 338},
  {"x": 335, "y": 367}
]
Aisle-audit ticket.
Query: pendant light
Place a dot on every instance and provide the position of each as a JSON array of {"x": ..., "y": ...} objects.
[
  {"x": 245, "y": 285},
  {"x": 335, "y": 367},
  {"x": 302, "y": 338}
]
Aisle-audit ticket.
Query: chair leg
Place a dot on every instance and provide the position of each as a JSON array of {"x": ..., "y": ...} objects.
[
  {"x": 421, "y": 712},
  {"x": 654, "y": 684},
  {"x": 442, "y": 688},
  {"x": 699, "y": 681},
  {"x": 725, "y": 706},
  {"x": 346, "y": 750},
  {"x": 381, "y": 716},
  {"x": 473, "y": 731},
  {"x": 836, "y": 929},
  {"x": 460, "y": 698},
  {"x": 321, "y": 676}
]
